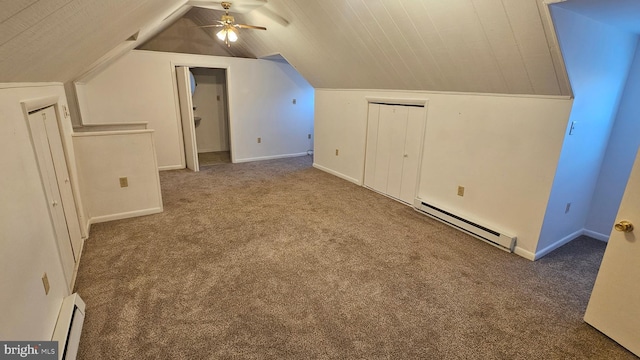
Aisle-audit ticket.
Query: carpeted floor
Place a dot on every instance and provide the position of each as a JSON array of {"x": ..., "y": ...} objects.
[
  {"x": 278, "y": 260},
  {"x": 214, "y": 158}
]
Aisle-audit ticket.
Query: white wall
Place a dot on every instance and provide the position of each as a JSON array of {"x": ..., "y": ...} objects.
[
  {"x": 103, "y": 158},
  {"x": 598, "y": 58},
  {"x": 619, "y": 157},
  {"x": 503, "y": 149},
  {"x": 27, "y": 242},
  {"x": 141, "y": 87},
  {"x": 210, "y": 102}
]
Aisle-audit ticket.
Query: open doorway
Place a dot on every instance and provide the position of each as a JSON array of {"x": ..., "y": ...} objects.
[
  {"x": 204, "y": 109},
  {"x": 211, "y": 116}
]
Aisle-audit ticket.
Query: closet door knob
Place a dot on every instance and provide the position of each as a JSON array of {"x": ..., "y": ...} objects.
[{"x": 406, "y": 155}]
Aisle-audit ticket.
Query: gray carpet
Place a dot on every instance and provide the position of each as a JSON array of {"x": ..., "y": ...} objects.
[
  {"x": 214, "y": 158},
  {"x": 278, "y": 260}
]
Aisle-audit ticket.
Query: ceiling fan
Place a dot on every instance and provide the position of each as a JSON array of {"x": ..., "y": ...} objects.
[{"x": 229, "y": 32}]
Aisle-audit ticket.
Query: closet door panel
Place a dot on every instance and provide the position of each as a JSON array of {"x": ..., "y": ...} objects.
[
  {"x": 383, "y": 153},
  {"x": 412, "y": 153},
  {"x": 372, "y": 145},
  {"x": 398, "y": 131}
]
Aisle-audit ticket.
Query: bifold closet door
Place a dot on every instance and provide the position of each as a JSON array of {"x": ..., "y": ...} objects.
[
  {"x": 394, "y": 141},
  {"x": 411, "y": 157}
]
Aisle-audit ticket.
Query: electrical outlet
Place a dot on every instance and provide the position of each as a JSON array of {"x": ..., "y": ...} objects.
[
  {"x": 309, "y": 136},
  {"x": 259, "y": 140},
  {"x": 124, "y": 182},
  {"x": 567, "y": 208},
  {"x": 460, "y": 190},
  {"x": 45, "y": 283},
  {"x": 337, "y": 151},
  {"x": 294, "y": 101}
]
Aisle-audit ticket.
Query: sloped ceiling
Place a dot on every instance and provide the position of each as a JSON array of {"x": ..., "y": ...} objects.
[
  {"x": 184, "y": 36},
  {"x": 57, "y": 40},
  {"x": 487, "y": 46}
]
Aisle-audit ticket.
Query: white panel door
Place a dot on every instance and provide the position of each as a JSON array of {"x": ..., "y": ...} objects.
[
  {"x": 64, "y": 183},
  {"x": 45, "y": 156},
  {"x": 398, "y": 120},
  {"x": 186, "y": 113},
  {"x": 395, "y": 134},
  {"x": 384, "y": 149},
  {"x": 372, "y": 145},
  {"x": 614, "y": 306},
  {"x": 412, "y": 153}
]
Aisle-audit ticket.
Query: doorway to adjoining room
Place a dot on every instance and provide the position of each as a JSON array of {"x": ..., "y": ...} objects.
[{"x": 210, "y": 109}]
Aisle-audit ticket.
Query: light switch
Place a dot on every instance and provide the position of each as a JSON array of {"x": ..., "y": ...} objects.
[
  {"x": 124, "y": 182},
  {"x": 572, "y": 131}
]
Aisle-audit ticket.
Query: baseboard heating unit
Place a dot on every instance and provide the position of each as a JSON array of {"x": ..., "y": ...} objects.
[
  {"x": 69, "y": 327},
  {"x": 492, "y": 236}
]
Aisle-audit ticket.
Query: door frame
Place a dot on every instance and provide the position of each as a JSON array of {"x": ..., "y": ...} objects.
[
  {"x": 421, "y": 102},
  {"x": 183, "y": 87},
  {"x": 229, "y": 99},
  {"x": 34, "y": 105}
]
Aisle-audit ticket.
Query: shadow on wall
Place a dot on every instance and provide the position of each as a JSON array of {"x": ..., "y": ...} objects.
[{"x": 596, "y": 158}]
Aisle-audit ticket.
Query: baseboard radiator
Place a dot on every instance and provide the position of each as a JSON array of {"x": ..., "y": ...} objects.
[
  {"x": 491, "y": 236},
  {"x": 69, "y": 327}
]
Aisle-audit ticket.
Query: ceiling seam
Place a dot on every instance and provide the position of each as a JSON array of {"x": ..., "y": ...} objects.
[
  {"x": 490, "y": 46},
  {"x": 428, "y": 49},
  {"x": 372, "y": 37},
  {"x": 524, "y": 63},
  {"x": 375, "y": 18},
  {"x": 444, "y": 43},
  {"x": 32, "y": 25},
  {"x": 360, "y": 54},
  {"x": 402, "y": 33}
]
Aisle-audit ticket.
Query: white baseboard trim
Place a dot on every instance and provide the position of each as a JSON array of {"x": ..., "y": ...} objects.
[
  {"x": 559, "y": 243},
  {"x": 87, "y": 228},
  {"x": 596, "y": 235},
  {"x": 119, "y": 216},
  {"x": 565, "y": 240},
  {"x": 271, "y": 157},
  {"x": 170, "y": 167},
  {"x": 335, "y": 173},
  {"x": 524, "y": 253},
  {"x": 76, "y": 266}
]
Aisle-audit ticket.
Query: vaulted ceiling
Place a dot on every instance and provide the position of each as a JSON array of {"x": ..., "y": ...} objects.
[
  {"x": 58, "y": 40},
  {"x": 487, "y": 46}
]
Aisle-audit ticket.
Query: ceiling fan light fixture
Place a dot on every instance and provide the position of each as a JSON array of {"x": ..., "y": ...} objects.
[
  {"x": 232, "y": 33},
  {"x": 222, "y": 34}
]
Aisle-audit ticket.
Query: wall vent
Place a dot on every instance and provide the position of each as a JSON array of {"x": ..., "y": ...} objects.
[
  {"x": 69, "y": 327},
  {"x": 492, "y": 236}
]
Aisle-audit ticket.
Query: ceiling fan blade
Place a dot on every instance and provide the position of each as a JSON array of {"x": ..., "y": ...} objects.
[
  {"x": 242, "y": 7},
  {"x": 243, "y": 26},
  {"x": 210, "y": 26}
]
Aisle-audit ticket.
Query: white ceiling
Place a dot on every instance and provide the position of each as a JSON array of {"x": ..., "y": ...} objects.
[
  {"x": 487, "y": 46},
  {"x": 57, "y": 40}
]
